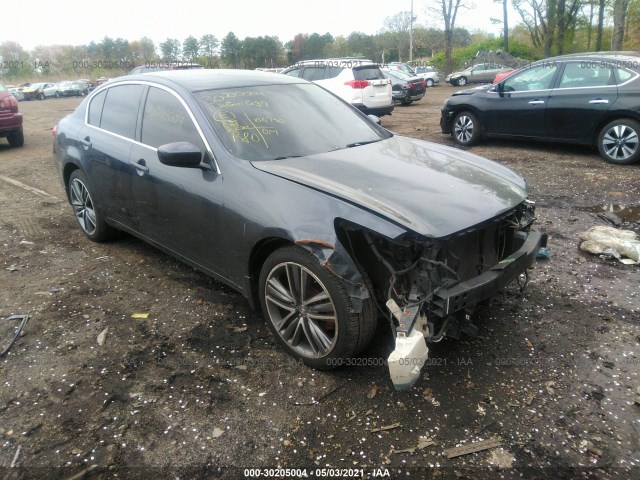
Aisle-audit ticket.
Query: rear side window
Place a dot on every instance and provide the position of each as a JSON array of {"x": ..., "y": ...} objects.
[
  {"x": 332, "y": 72},
  {"x": 120, "y": 110},
  {"x": 95, "y": 108},
  {"x": 368, "y": 73},
  {"x": 586, "y": 74},
  {"x": 623, "y": 75},
  {"x": 165, "y": 120},
  {"x": 313, "y": 73}
]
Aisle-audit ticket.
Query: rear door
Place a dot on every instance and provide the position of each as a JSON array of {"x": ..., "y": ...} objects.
[
  {"x": 106, "y": 141},
  {"x": 580, "y": 101}
]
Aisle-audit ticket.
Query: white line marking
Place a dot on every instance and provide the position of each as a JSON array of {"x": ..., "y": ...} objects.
[{"x": 27, "y": 187}]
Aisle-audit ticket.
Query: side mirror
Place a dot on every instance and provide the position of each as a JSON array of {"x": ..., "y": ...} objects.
[
  {"x": 179, "y": 154},
  {"x": 375, "y": 119}
]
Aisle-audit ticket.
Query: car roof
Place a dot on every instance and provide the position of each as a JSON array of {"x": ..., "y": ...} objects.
[
  {"x": 211, "y": 79},
  {"x": 629, "y": 58}
]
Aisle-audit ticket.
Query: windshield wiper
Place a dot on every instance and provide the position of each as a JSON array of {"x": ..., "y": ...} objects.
[
  {"x": 357, "y": 144},
  {"x": 287, "y": 156}
]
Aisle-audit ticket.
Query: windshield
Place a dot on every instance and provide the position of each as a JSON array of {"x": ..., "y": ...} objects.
[{"x": 273, "y": 122}]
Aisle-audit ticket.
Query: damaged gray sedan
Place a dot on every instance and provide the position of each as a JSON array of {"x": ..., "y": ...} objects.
[{"x": 312, "y": 211}]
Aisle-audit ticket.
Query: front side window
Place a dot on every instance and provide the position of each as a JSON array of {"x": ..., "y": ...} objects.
[
  {"x": 279, "y": 121},
  {"x": 120, "y": 110},
  {"x": 538, "y": 77},
  {"x": 165, "y": 120}
]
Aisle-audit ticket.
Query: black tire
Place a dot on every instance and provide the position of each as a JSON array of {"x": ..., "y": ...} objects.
[
  {"x": 618, "y": 141},
  {"x": 40, "y": 96},
  {"x": 335, "y": 332},
  {"x": 466, "y": 129},
  {"x": 429, "y": 82},
  {"x": 461, "y": 82},
  {"x": 407, "y": 102},
  {"x": 87, "y": 213},
  {"x": 16, "y": 138},
  {"x": 57, "y": 94}
]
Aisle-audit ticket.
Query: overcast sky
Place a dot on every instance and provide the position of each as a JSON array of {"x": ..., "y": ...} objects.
[{"x": 65, "y": 22}]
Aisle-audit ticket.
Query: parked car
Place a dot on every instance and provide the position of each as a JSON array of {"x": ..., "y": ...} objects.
[
  {"x": 502, "y": 75},
  {"x": 430, "y": 75},
  {"x": 480, "y": 73},
  {"x": 406, "y": 88},
  {"x": 357, "y": 81},
  {"x": 163, "y": 66},
  {"x": 76, "y": 88},
  {"x": 291, "y": 196},
  {"x": 403, "y": 67},
  {"x": 17, "y": 93},
  {"x": 583, "y": 99},
  {"x": 40, "y": 91},
  {"x": 10, "y": 118}
]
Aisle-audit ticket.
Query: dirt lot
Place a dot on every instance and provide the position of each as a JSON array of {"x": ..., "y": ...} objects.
[{"x": 199, "y": 387}]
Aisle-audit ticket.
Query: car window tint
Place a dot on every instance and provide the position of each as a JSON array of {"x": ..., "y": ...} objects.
[
  {"x": 313, "y": 73},
  {"x": 276, "y": 121},
  {"x": 165, "y": 120},
  {"x": 585, "y": 74},
  {"x": 623, "y": 75},
  {"x": 95, "y": 108},
  {"x": 534, "y": 78},
  {"x": 368, "y": 73},
  {"x": 332, "y": 72},
  {"x": 120, "y": 111}
]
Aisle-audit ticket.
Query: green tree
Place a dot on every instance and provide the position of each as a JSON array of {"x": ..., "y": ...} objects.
[
  {"x": 170, "y": 49},
  {"x": 190, "y": 48},
  {"x": 230, "y": 49}
]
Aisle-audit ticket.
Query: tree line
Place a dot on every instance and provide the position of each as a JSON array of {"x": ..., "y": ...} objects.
[{"x": 542, "y": 28}]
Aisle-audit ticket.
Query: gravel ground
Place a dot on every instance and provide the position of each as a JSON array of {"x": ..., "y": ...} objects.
[{"x": 196, "y": 386}]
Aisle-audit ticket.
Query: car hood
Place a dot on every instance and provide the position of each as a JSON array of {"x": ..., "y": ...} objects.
[
  {"x": 471, "y": 91},
  {"x": 425, "y": 187}
]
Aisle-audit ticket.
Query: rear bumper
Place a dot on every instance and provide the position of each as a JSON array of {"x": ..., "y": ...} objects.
[
  {"x": 377, "y": 111},
  {"x": 10, "y": 124},
  {"x": 467, "y": 294}
]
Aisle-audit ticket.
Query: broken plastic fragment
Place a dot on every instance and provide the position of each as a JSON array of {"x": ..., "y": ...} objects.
[
  {"x": 140, "y": 315},
  {"x": 407, "y": 359}
]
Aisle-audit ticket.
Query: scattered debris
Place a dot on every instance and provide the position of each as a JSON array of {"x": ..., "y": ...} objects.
[
  {"x": 501, "y": 458},
  {"x": 140, "y": 315},
  {"x": 12, "y": 268},
  {"x": 384, "y": 428},
  {"x": 611, "y": 242},
  {"x": 543, "y": 253},
  {"x": 26, "y": 242},
  {"x": 23, "y": 321},
  {"x": 472, "y": 448},
  {"x": 217, "y": 432},
  {"x": 637, "y": 400},
  {"x": 15, "y": 457},
  {"x": 372, "y": 392},
  {"x": 102, "y": 336}
]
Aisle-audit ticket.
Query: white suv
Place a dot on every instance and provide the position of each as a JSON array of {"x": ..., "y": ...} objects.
[{"x": 356, "y": 80}]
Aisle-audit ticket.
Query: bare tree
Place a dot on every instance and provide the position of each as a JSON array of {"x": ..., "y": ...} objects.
[
  {"x": 620, "y": 8},
  {"x": 448, "y": 11},
  {"x": 505, "y": 23},
  {"x": 397, "y": 28},
  {"x": 600, "y": 25}
]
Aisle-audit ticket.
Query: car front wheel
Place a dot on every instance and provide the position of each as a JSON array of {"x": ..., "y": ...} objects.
[
  {"x": 88, "y": 216},
  {"x": 462, "y": 81},
  {"x": 466, "y": 129},
  {"x": 618, "y": 142},
  {"x": 309, "y": 311}
]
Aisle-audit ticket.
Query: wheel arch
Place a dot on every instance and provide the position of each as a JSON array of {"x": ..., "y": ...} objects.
[{"x": 608, "y": 119}]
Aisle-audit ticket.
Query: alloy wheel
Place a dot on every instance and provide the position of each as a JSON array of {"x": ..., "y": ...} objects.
[
  {"x": 83, "y": 206},
  {"x": 301, "y": 310},
  {"x": 463, "y": 129},
  {"x": 620, "y": 142}
]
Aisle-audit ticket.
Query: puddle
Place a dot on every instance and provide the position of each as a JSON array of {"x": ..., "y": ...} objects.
[{"x": 626, "y": 213}]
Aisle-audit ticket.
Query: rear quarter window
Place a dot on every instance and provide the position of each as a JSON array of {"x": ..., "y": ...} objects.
[{"x": 95, "y": 108}]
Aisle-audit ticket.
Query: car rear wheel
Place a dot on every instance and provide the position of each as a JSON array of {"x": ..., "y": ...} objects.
[
  {"x": 16, "y": 138},
  {"x": 88, "y": 215},
  {"x": 429, "y": 82},
  {"x": 466, "y": 129},
  {"x": 462, "y": 81},
  {"x": 309, "y": 310},
  {"x": 618, "y": 142}
]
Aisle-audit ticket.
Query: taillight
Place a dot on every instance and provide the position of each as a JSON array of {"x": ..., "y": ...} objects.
[
  {"x": 357, "y": 83},
  {"x": 10, "y": 103}
]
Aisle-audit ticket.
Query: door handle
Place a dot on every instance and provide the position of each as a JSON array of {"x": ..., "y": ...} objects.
[
  {"x": 86, "y": 142},
  {"x": 140, "y": 166},
  {"x": 536, "y": 102},
  {"x": 598, "y": 101}
]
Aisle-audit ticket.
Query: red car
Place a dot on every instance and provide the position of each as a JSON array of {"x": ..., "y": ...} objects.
[
  {"x": 502, "y": 75},
  {"x": 10, "y": 118}
]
